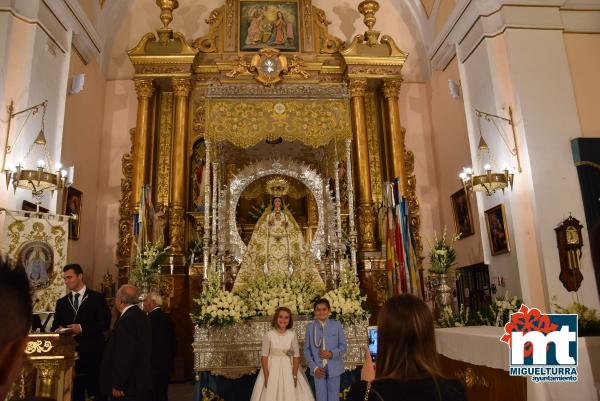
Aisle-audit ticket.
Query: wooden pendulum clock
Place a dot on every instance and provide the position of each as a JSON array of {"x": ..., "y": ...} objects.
[{"x": 569, "y": 241}]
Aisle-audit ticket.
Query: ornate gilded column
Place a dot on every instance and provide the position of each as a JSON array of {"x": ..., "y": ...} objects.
[
  {"x": 395, "y": 132},
  {"x": 366, "y": 211},
  {"x": 181, "y": 88},
  {"x": 144, "y": 89}
]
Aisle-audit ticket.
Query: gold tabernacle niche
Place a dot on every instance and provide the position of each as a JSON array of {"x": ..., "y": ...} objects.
[{"x": 265, "y": 93}]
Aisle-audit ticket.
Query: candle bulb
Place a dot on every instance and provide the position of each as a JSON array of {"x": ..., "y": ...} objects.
[
  {"x": 41, "y": 163},
  {"x": 487, "y": 167},
  {"x": 58, "y": 166}
]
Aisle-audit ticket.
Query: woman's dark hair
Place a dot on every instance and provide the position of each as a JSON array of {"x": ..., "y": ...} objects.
[
  {"x": 15, "y": 302},
  {"x": 321, "y": 301},
  {"x": 276, "y": 315},
  {"x": 406, "y": 340}
]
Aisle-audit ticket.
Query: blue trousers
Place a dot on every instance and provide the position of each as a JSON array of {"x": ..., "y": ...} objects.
[{"x": 328, "y": 389}]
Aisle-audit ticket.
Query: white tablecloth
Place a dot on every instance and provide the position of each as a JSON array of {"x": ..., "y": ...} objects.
[{"x": 480, "y": 345}]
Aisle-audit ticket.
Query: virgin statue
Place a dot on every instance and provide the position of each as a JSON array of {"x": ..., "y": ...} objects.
[{"x": 277, "y": 244}]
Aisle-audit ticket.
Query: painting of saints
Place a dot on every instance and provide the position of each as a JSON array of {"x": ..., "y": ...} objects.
[
  {"x": 283, "y": 33},
  {"x": 268, "y": 24},
  {"x": 254, "y": 34}
]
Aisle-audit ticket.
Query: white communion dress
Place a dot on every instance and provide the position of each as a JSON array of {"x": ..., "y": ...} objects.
[{"x": 280, "y": 348}]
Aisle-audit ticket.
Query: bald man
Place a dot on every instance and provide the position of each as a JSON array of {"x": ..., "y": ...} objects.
[{"x": 126, "y": 370}]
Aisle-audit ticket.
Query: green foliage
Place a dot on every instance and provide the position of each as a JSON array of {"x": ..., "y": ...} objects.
[
  {"x": 146, "y": 270},
  {"x": 588, "y": 323},
  {"x": 442, "y": 255}
]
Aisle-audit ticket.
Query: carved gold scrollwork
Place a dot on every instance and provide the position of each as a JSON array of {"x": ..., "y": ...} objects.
[
  {"x": 328, "y": 44},
  {"x": 374, "y": 148},
  {"x": 208, "y": 395},
  {"x": 296, "y": 68},
  {"x": 209, "y": 43},
  {"x": 391, "y": 88},
  {"x": 357, "y": 87},
  {"x": 470, "y": 378},
  {"x": 181, "y": 87},
  {"x": 413, "y": 204},
  {"x": 380, "y": 285},
  {"x": 199, "y": 120},
  {"x": 177, "y": 229},
  {"x": 240, "y": 67},
  {"x": 164, "y": 148},
  {"x": 367, "y": 227},
  {"x": 144, "y": 88},
  {"x": 38, "y": 347},
  {"x": 307, "y": 22},
  {"x": 125, "y": 213}
]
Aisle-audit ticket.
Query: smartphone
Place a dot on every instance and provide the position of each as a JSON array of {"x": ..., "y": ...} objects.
[{"x": 372, "y": 335}]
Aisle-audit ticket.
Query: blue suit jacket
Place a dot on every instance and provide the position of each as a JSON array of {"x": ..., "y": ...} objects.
[{"x": 335, "y": 341}]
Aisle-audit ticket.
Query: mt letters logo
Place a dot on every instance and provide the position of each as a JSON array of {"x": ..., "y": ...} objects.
[{"x": 542, "y": 346}]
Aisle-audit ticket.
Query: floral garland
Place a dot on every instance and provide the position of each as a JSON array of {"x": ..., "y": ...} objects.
[
  {"x": 588, "y": 322},
  {"x": 264, "y": 295},
  {"x": 346, "y": 301},
  {"x": 216, "y": 307},
  {"x": 497, "y": 314}
]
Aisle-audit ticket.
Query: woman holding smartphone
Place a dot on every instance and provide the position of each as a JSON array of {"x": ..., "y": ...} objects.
[{"x": 407, "y": 366}]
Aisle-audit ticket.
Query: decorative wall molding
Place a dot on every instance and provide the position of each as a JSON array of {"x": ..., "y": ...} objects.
[
  {"x": 473, "y": 21},
  {"x": 86, "y": 40}
]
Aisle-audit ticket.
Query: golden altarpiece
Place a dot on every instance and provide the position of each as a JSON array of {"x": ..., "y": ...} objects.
[{"x": 220, "y": 114}]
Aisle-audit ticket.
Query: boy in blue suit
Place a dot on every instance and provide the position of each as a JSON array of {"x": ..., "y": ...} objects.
[{"x": 324, "y": 346}]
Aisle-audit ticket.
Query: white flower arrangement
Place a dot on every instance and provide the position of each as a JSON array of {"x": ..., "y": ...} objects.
[
  {"x": 220, "y": 309},
  {"x": 345, "y": 301},
  {"x": 216, "y": 307},
  {"x": 266, "y": 294},
  {"x": 146, "y": 272}
]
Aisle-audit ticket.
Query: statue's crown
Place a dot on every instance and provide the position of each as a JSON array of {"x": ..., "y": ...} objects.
[{"x": 277, "y": 186}]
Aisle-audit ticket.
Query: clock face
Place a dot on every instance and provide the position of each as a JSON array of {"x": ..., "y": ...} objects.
[{"x": 572, "y": 236}]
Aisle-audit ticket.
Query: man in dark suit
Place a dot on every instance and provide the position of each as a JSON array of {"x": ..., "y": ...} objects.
[
  {"x": 163, "y": 346},
  {"x": 84, "y": 314},
  {"x": 126, "y": 372}
]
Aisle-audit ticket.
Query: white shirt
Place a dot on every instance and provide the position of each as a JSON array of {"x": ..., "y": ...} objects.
[
  {"x": 81, "y": 293},
  {"x": 127, "y": 307}
]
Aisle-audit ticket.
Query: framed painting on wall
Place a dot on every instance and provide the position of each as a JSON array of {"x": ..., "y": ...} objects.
[
  {"x": 32, "y": 207},
  {"x": 268, "y": 24},
  {"x": 497, "y": 229},
  {"x": 72, "y": 206},
  {"x": 461, "y": 210}
]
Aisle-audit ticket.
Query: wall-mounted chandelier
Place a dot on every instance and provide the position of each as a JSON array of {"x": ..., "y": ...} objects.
[
  {"x": 35, "y": 171},
  {"x": 486, "y": 178}
]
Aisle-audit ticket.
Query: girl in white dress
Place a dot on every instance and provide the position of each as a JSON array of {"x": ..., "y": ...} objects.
[{"x": 279, "y": 378}]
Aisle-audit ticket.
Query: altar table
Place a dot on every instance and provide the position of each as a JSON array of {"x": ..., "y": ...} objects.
[
  {"x": 476, "y": 355},
  {"x": 230, "y": 356}
]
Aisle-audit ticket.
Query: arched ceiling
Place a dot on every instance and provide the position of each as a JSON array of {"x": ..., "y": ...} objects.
[{"x": 122, "y": 23}]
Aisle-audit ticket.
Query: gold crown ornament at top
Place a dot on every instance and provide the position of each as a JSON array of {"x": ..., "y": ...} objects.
[{"x": 277, "y": 186}]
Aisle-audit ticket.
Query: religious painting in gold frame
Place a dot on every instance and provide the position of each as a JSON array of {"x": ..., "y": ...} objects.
[
  {"x": 497, "y": 229},
  {"x": 461, "y": 210},
  {"x": 267, "y": 23},
  {"x": 72, "y": 206}
]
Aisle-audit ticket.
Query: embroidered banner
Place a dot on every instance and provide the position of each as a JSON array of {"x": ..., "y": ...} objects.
[{"x": 38, "y": 242}]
